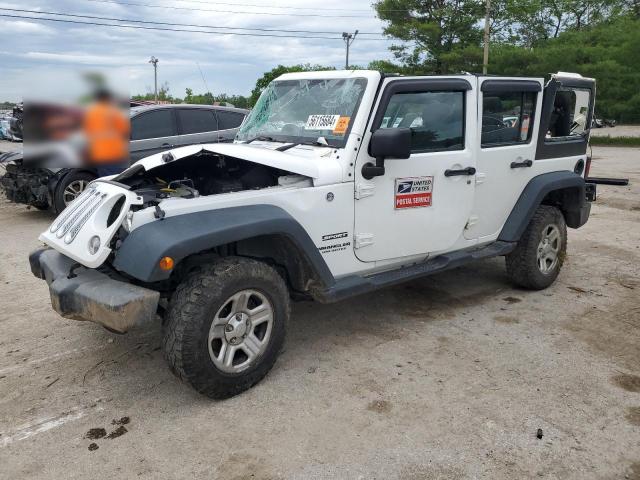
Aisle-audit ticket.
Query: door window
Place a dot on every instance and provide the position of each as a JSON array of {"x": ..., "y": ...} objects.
[
  {"x": 507, "y": 117},
  {"x": 196, "y": 121},
  {"x": 436, "y": 119},
  {"x": 155, "y": 124},
  {"x": 229, "y": 120},
  {"x": 570, "y": 113}
]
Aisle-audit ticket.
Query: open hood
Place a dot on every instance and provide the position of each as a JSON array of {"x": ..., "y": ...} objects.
[{"x": 318, "y": 163}]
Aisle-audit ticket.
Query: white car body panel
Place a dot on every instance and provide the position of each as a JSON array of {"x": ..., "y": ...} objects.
[
  {"x": 89, "y": 213},
  {"x": 422, "y": 230}
]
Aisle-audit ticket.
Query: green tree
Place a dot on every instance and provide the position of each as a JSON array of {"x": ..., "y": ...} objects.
[
  {"x": 439, "y": 36},
  {"x": 607, "y": 51},
  {"x": 274, "y": 73}
]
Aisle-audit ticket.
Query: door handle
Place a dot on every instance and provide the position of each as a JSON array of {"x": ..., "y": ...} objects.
[
  {"x": 524, "y": 163},
  {"x": 167, "y": 145},
  {"x": 456, "y": 173}
]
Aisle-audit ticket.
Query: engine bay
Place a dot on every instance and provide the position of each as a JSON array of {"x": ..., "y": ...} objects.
[{"x": 204, "y": 173}]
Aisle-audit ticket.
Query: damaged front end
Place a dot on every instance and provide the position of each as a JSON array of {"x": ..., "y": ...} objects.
[
  {"x": 86, "y": 279},
  {"x": 203, "y": 173},
  {"x": 26, "y": 185}
]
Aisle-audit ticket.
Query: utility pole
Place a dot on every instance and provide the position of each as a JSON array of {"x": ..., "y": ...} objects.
[
  {"x": 348, "y": 40},
  {"x": 485, "y": 61},
  {"x": 154, "y": 62}
]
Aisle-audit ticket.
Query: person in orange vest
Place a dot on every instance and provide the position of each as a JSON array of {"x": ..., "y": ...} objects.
[{"x": 107, "y": 132}]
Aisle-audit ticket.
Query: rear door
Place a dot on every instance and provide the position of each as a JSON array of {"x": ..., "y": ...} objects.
[
  {"x": 567, "y": 113},
  {"x": 421, "y": 204},
  {"x": 508, "y": 111},
  {"x": 152, "y": 132},
  {"x": 229, "y": 121},
  {"x": 197, "y": 125}
]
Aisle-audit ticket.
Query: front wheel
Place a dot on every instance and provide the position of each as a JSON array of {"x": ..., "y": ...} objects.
[
  {"x": 226, "y": 326},
  {"x": 70, "y": 188},
  {"x": 536, "y": 261}
]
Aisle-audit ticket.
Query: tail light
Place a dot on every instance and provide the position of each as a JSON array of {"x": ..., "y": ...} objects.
[{"x": 587, "y": 167}]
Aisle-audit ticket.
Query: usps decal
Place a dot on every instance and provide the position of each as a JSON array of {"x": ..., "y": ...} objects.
[{"x": 413, "y": 192}]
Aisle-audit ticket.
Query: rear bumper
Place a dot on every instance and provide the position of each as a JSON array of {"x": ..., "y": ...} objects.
[{"x": 82, "y": 293}]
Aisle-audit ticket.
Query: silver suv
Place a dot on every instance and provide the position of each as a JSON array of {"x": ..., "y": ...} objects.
[{"x": 154, "y": 128}]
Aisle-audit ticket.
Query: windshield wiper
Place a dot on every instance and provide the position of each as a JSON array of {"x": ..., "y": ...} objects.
[
  {"x": 312, "y": 143},
  {"x": 264, "y": 138}
]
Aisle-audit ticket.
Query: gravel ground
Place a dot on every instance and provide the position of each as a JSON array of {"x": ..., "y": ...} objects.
[
  {"x": 617, "y": 131},
  {"x": 7, "y": 146},
  {"x": 446, "y": 377}
]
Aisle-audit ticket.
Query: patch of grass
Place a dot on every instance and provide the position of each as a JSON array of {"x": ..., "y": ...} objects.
[{"x": 615, "y": 141}]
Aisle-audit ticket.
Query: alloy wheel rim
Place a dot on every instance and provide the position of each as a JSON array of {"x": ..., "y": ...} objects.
[
  {"x": 73, "y": 190},
  {"x": 240, "y": 331},
  {"x": 549, "y": 249}
]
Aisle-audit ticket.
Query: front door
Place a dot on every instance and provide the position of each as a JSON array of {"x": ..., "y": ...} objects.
[{"x": 421, "y": 204}]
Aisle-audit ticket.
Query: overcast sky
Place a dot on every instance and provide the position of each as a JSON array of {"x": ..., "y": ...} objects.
[{"x": 38, "y": 56}]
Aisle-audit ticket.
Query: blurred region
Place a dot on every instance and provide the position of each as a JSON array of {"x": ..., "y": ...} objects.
[{"x": 93, "y": 130}]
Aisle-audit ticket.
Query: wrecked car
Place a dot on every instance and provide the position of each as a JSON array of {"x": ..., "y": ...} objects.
[
  {"x": 338, "y": 184},
  {"x": 154, "y": 128}
]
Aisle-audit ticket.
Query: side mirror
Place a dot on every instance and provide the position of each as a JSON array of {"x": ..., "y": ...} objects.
[{"x": 387, "y": 143}]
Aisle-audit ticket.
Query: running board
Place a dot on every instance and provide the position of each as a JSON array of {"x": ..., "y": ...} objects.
[{"x": 356, "y": 285}]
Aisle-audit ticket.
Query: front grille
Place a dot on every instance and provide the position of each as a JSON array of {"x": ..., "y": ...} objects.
[
  {"x": 76, "y": 215},
  {"x": 78, "y": 225},
  {"x": 72, "y": 208}
]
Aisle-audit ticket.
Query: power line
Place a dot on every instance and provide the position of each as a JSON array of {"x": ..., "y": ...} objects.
[
  {"x": 141, "y": 27},
  {"x": 150, "y": 5},
  {"x": 291, "y": 7},
  {"x": 93, "y": 17},
  {"x": 282, "y": 7}
]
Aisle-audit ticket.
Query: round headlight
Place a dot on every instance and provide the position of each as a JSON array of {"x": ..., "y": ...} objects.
[{"x": 94, "y": 244}]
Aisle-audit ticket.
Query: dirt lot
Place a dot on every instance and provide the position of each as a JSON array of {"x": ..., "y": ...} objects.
[
  {"x": 447, "y": 377},
  {"x": 617, "y": 131},
  {"x": 7, "y": 146}
]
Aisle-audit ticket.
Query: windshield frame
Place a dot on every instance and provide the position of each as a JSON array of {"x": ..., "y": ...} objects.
[{"x": 331, "y": 142}]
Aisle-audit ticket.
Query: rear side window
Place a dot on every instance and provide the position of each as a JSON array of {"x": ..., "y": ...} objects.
[
  {"x": 570, "y": 113},
  {"x": 507, "y": 117},
  {"x": 229, "y": 120},
  {"x": 197, "y": 121},
  {"x": 436, "y": 119},
  {"x": 155, "y": 124}
]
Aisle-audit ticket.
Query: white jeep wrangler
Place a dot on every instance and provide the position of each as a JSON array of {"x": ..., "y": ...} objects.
[{"x": 338, "y": 183}]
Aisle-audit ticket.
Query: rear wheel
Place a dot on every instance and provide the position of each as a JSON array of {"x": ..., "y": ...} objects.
[
  {"x": 71, "y": 186},
  {"x": 540, "y": 253},
  {"x": 226, "y": 326}
]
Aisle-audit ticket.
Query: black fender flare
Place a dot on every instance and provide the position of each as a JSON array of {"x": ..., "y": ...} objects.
[
  {"x": 572, "y": 202},
  {"x": 183, "y": 235}
]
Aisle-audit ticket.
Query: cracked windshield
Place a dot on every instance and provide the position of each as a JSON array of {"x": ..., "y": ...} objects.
[{"x": 304, "y": 111}]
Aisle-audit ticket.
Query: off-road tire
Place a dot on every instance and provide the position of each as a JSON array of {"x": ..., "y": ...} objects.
[
  {"x": 58, "y": 196},
  {"x": 522, "y": 263},
  {"x": 192, "y": 309}
]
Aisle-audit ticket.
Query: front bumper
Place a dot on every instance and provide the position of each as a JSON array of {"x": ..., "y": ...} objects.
[{"x": 83, "y": 293}]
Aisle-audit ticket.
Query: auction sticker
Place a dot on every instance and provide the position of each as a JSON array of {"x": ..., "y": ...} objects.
[
  {"x": 413, "y": 192},
  {"x": 322, "y": 122},
  {"x": 341, "y": 126}
]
